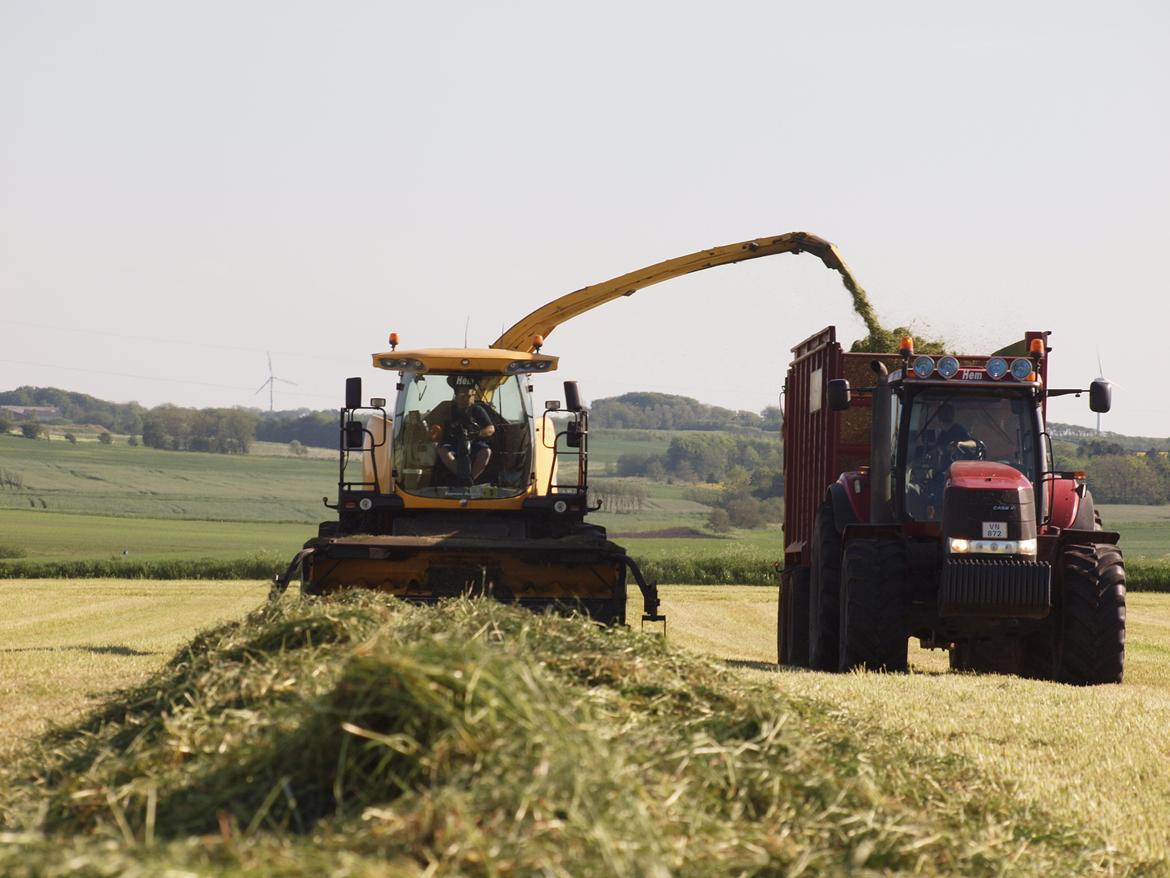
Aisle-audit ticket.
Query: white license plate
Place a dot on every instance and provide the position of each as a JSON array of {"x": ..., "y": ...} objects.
[{"x": 995, "y": 530}]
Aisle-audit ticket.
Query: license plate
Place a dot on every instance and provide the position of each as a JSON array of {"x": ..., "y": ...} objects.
[{"x": 995, "y": 530}]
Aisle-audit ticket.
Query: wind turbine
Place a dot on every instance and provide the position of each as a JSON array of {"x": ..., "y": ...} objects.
[{"x": 271, "y": 383}]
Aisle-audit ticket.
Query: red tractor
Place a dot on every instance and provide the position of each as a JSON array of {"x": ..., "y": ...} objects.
[{"x": 921, "y": 501}]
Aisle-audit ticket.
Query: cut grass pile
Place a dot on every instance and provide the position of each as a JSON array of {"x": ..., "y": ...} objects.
[{"x": 472, "y": 738}]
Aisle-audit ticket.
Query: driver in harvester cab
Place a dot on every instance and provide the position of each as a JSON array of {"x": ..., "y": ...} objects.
[{"x": 461, "y": 429}]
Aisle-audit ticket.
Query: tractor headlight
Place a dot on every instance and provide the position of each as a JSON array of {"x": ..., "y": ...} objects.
[
  {"x": 996, "y": 367},
  {"x": 958, "y": 546},
  {"x": 923, "y": 367},
  {"x": 948, "y": 367},
  {"x": 1021, "y": 368},
  {"x": 405, "y": 364}
]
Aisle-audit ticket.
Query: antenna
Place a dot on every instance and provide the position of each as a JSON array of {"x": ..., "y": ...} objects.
[
  {"x": 271, "y": 383},
  {"x": 466, "y": 326}
]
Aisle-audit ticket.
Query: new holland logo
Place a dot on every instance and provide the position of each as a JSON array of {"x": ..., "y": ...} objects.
[{"x": 1003, "y": 507}]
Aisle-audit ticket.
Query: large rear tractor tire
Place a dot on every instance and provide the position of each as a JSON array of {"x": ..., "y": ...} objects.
[
  {"x": 792, "y": 619},
  {"x": 824, "y": 592},
  {"x": 873, "y": 606},
  {"x": 1090, "y": 646}
]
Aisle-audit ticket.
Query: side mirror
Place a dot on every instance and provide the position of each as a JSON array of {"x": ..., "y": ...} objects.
[
  {"x": 839, "y": 395},
  {"x": 572, "y": 397},
  {"x": 355, "y": 434},
  {"x": 353, "y": 393},
  {"x": 1100, "y": 395}
]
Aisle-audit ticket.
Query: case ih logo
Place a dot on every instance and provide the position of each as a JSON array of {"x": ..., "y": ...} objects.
[{"x": 971, "y": 375}]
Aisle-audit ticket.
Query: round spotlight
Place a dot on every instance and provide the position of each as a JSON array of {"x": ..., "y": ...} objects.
[
  {"x": 1021, "y": 368},
  {"x": 948, "y": 367},
  {"x": 923, "y": 367},
  {"x": 365, "y": 504},
  {"x": 996, "y": 368},
  {"x": 560, "y": 506}
]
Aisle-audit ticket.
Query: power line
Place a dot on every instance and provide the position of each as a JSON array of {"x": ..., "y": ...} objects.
[
  {"x": 170, "y": 341},
  {"x": 89, "y": 371}
]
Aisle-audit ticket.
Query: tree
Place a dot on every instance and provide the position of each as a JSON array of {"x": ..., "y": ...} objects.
[
  {"x": 297, "y": 449},
  {"x": 719, "y": 521},
  {"x": 6, "y": 423},
  {"x": 132, "y": 441},
  {"x": 30, "y": 429},
  {"x": 105, "y": 438},
  {"x": 70, "y": 438}
]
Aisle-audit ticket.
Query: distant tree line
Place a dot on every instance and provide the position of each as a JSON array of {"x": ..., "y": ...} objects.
[
  {"x": 79, "y": 408},
  {"x": 664, "y": 411},
  {"x": 226, "y": 431},
  {"x": 1129, "y": 478},
  {"x": 319, "y": 429}
]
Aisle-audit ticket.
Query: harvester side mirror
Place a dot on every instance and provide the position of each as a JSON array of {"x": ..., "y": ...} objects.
[
  {"x": 839, "y": 395},
  {"x": 573, "y": 434},
  {"x": 572, "y": 397},
  {"x": 355, "y": 434},
  {"x": 353, "y": 393},
  {"x": 1100, "y": 395}
]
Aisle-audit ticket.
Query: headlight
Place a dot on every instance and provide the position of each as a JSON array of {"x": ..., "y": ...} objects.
[
  {"x": 1021, "y": 368},
  {"x": 518, "y": 366},
  {"x": 957, "y": 546},
  {"x": 923, "y": 367},
  {"x": 996, "y": 368},
  {"x": 406, "y": 364},
  {"x": 948, "y": 367}
]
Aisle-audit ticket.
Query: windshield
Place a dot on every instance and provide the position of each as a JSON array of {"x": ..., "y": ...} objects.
[
  {"x": 462, "y": 435},
  {"x": 943, "y": 427}
]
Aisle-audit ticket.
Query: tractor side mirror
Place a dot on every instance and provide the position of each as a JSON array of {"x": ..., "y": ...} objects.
[
  {"x": 353, "y": 393},
  {"x": 1100, "y": 395},
  {"x": 572, "y": 397},
  {"x": 573, "y": 434},
  {"x": 355, "y": 434},
  {"x": 839, "y": 395}
]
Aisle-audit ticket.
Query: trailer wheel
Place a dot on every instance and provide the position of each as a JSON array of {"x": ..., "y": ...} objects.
[
  {"x": 873, "y": 605},
  {"x": 791, "y": 619},
  {"x": 824, "y": 592},
  {"x": 1090, "y": 648}
]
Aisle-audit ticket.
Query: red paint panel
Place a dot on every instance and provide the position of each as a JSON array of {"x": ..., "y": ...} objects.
[{"x": 986, "y": 474}]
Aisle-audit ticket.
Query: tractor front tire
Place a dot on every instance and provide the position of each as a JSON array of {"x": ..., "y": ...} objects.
[
  {"x": 1090, "y": 648},
  {"x": 873, "y": 606},
  {"x": 824, "y": 595}
]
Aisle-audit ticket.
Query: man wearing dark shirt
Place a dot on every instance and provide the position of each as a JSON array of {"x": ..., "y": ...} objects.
[{"x": 463, "y": 424}]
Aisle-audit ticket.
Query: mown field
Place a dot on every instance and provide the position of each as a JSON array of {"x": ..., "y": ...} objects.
[{"x": 372, "y": 738}]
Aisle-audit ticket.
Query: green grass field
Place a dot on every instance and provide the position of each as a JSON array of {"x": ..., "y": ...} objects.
[{"x": 925, "y": 773}]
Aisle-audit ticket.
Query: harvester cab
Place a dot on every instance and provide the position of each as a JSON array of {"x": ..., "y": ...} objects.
[
  {"x": 946, "y": 520},
  {"x": 464, "y": 486}
]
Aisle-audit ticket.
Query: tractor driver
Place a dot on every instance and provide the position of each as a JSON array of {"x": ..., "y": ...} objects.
[{"x": 461, "y": 428}]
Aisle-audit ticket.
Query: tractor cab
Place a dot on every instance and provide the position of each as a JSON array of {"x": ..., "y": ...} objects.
[{"x": 938, "y": 426}]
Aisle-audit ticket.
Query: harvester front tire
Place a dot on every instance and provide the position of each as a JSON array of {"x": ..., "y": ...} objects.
[
  {"x": 1090, "y": 648},
  {"x": 791, "y": 619},
  {"x": 873, "y": 606},
  {"x": 824, "y": 593}
]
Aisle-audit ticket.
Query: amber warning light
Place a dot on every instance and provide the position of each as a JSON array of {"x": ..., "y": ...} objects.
[
  {"x": 393, "y": 341},
  {"x": 907, "y": 347},
  {"x": 537, "y": 342}
]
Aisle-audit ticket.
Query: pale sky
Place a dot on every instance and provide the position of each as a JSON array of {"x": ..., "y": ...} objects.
[{"x": 185, "y": 186}]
